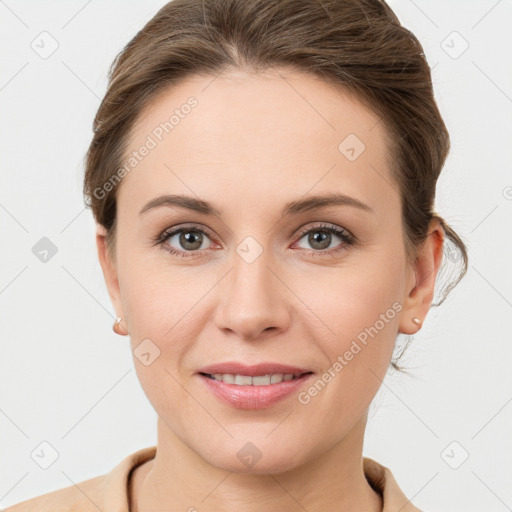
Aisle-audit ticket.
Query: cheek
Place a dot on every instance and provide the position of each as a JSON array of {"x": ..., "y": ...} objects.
[
  {"x": 359, "y": 310},
  {"x": 351, "y": 298},
  {"x": 167, "y": 317},
  {"x": 363, "y": 316},
  {"x": 161, "y": 299}
]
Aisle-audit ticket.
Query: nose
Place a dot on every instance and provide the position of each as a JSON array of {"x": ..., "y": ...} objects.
[{"x": 252, "y": 300}]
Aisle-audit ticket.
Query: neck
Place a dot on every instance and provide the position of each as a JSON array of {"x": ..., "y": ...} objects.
[{"x": 179, "y": 479}]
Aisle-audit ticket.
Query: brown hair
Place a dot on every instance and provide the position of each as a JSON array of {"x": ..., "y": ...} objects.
[{"x": 358, "y": 44}]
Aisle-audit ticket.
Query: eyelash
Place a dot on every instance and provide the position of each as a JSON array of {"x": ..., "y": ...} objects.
[{"x": 343, "y": 234}]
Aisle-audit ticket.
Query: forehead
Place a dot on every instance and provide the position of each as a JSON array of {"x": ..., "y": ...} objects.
[{"x": 257, "y": 130}]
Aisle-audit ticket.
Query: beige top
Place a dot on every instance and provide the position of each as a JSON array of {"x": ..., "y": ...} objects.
[{"x": 109, "y": 492}]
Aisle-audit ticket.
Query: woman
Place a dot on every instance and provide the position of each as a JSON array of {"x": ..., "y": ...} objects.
[{"x": 263, "y": 176}]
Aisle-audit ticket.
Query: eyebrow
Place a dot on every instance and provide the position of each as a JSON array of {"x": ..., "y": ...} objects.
[{"x": 291, "y": 208}]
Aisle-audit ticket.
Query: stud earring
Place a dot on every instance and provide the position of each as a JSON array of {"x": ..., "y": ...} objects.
[
  {"x": 417, "y": 321},
  {"x": 118, "y": 329}
]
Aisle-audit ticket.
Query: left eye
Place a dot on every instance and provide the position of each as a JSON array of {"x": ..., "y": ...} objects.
[{"x": 320, "y": 237}]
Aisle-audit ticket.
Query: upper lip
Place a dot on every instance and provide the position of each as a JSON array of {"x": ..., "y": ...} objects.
[{"x": 232, "y": 367}]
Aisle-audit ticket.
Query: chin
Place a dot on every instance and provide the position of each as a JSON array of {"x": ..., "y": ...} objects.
[{"x": 257, "y": 458}]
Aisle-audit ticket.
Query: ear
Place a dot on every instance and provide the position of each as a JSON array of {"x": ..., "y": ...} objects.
[
  {"x": 109, "y": 270},
  {"x": 422, "y": 279}
]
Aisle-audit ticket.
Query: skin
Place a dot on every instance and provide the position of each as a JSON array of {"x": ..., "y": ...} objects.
[{"x": 253, "y": 143}]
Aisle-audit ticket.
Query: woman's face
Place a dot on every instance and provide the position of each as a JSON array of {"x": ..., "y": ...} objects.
[{"x": 265, "y": 279}]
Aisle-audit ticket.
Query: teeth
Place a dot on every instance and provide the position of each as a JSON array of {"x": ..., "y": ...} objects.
[
  {"x": 243, "y": 380},
  {"x": 247, "y": 380}
]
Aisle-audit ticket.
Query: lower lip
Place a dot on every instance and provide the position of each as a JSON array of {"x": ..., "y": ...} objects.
[{"x": 253, "y": 397}]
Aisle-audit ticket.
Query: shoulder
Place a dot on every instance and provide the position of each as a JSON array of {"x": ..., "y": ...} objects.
[
  {"x": 79, "y": 497},
  {"x": 383, "y": 481},
  {"x": 106, "y": 492}
]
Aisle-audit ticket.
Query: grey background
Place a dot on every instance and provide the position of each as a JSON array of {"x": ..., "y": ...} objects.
[{"x": 68, "y": 380}]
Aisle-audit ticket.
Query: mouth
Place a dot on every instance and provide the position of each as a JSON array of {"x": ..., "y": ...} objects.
[{"x": 253, "y": 392}]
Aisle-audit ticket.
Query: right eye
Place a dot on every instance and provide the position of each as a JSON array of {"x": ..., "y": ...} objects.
[{"x": 183, "y": 240}]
